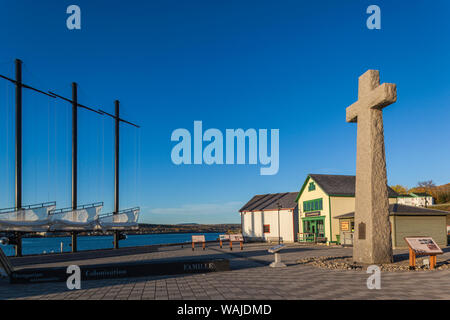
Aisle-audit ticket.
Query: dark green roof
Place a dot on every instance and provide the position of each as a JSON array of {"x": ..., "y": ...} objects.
[
  {"x": 421, "y": 194},
  {"x": 338, "y": 185}
]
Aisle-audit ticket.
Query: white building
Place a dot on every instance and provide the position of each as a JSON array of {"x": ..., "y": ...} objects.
[
  {"x": 416, "y": 199},
  {"x": 269, "y": 216}
]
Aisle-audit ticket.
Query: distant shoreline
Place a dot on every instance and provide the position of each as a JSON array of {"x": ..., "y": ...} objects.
[
  {"x": 147, "y": 229},
  {"x": 111, "y": 234}
]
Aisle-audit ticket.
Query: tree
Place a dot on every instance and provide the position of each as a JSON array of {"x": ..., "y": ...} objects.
[
  {"x": 399, "y": 189},
  {"x": 426, "y": 184},
  {"x": 442, "y": 197}
]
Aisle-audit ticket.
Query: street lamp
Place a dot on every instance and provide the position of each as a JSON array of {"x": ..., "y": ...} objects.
[{"x": 279, "y": 207}]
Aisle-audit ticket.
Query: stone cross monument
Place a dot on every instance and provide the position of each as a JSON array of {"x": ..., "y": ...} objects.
[{"x": 372, "y": 239}]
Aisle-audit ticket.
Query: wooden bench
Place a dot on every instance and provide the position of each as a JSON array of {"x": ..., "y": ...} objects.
[{"x": 274, "y": 239}]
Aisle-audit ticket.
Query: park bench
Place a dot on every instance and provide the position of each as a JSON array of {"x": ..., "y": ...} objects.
[{"x": 273, "y": 239}]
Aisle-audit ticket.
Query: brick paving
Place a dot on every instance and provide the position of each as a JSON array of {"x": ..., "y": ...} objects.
[{"x": 250, "y": 278}]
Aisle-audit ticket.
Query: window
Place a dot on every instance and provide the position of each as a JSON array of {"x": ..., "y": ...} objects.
[
  {"x": 267, "y": 228},
  {"x": 311, "y": 186},
  {"x": 313, "y": 205}
]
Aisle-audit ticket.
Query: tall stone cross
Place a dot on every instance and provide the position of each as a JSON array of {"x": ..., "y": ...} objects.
[{"x": 372, "y": 239}]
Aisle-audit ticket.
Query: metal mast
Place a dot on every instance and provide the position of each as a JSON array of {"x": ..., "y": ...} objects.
[{"x": 116, "y": 117}]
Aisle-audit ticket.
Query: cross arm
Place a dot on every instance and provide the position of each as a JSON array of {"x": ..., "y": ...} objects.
[
  {"x": 79, "y": 105},
  {"x": 378, "y": 98},
  {"x": 120, "y": 119},
  {"x": 27, "y": 86}
]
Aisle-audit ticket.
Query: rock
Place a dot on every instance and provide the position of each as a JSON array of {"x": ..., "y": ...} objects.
[{"x": 347, "y": 263}]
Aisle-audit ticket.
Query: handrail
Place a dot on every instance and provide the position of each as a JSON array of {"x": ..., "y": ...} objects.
[
  {"x": 110, "y": 214},
  {"x": 81, "y": 207},
  {"x": 305, "y": 236},
  {"x": 32, "y": 206}
]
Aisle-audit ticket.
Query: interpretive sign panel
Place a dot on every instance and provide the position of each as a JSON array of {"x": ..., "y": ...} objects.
[
  {"x": 345, "y": 226},
  {"x": 276, "y": 248},
  {"x": 196, "y": 239},
  {"x": 423, "y": 245},
  {"x": 224, "y": 237},
  {"x": 236, "y": 237}
]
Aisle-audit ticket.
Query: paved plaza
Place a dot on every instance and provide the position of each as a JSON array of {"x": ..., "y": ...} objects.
[{"x": 250, "y": 278}]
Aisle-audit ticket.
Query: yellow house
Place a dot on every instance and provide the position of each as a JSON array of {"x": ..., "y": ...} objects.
[{"x": 322, "y": 198}]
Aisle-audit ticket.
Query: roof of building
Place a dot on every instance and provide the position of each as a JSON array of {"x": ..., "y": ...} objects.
[
  {"x": 404, "y": 195},
  {"x": 270, "y": 202},
  {"x": 414, "y": 195},
  {"x": 404, "y": 210},
  {"x": 340, "y": 185},
  {"x": 420, "y": 194}
]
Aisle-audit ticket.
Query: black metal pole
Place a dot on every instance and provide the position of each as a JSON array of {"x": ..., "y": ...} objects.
[
  {"x": 18, "y": 160},
  {"x": 279, "y": 238},
  {"x": 74, "y": 157},
  {"x": 116, "y": 170}
]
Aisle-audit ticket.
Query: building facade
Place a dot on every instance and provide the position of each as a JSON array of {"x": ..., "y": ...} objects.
[
  {"x": 323, "y": 211},
  {"x": 322, "y": 198},
  {"x": 406, "y": 221},
  {"x": 416, "y": 199},
  {"x": 268, "y": 217}
]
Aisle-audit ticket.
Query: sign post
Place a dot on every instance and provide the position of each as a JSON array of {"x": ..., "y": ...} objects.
[
  {"x": 422, "y": 246},
  {"x": 223, "y": 237},
  {"x": 237, "y": 238},
  {"x": 200, "y": 239},
  {"x": 276, "y": 250}
]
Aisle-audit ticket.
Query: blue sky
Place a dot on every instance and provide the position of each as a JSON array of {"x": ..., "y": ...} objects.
[{"x": 287, "y": 65}]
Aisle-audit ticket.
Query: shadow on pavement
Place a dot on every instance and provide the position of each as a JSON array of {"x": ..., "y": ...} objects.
[{"x": 239, "y": 260}]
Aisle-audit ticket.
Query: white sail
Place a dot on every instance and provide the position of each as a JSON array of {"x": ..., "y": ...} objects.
[
  {"x": 123, "y": 220},
  {"x": 82, "y": 219},
  {"x": 33, "y": 218}
]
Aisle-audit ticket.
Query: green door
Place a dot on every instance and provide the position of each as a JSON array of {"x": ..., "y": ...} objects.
[{"x": 313, "y": 228}]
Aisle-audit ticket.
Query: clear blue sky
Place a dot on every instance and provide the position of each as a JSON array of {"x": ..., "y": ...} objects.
[{"x": 288, "y": 65}]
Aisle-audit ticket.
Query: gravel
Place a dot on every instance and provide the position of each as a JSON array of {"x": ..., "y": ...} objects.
[{"x": 346, "y": 263}]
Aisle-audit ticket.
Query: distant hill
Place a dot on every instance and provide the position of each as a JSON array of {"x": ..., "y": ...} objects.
[
  {"x": 188, "y": 228},
  {"x": 442, "y": 188},
  {"x": 440, "y": 193},
  {"x": 442, "y": 206}
]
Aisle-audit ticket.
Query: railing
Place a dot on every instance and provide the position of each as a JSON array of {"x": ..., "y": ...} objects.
[
  {"x": 106, "y": 215},
  {"x": 311, "y": 237},
  {"x": 86, "y": 206},
  {"x": 32, "y": 206}
]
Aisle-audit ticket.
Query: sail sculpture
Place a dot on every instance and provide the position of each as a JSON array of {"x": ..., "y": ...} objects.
[
  {"x": 33, "y": 218},
  {"x": 84, "y": 218},
  {"x": 123, "y": 220}
]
